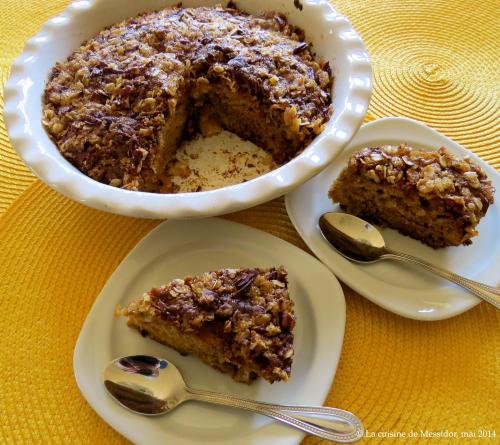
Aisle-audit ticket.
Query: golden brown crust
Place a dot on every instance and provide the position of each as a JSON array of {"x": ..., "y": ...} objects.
[
  {"x": 105, "y": 107},
  {"x": 246, "y": 312},
  {"x": 418, "y": 192}
]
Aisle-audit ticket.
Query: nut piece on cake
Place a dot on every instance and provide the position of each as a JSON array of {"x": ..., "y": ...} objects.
[
  {"x": 429, "y": 195},
  {"x": 236, "y": 320}
]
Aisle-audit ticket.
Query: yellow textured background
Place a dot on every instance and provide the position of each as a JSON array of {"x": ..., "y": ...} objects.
[{"x": 433, "y": 60}]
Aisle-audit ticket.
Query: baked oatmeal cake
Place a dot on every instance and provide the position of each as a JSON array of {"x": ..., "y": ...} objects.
[
  {"x": 236, "y": 320},
  {"x": 429, "y": 195},
  {"x": 119, "y": 106}
]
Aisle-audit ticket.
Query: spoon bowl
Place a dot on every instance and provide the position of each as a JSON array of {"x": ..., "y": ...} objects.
[
  {"x": 144, "y": 384},
  {"x": 353, "y": 237},
  {"x": 153, "y": 386}
]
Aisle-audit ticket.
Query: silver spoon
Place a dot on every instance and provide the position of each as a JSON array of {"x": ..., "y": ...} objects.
[
  {"x": 154, "y": 386},
  {"x": 359, "y": 241}
]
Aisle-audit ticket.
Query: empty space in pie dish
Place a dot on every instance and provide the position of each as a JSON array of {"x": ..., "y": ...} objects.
[{"x": 212, "y": 162}]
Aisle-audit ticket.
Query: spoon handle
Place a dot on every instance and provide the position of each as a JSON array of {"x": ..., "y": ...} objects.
[
  {"x": 487, "y": 293},
  {"x": 327, "y": 423}
]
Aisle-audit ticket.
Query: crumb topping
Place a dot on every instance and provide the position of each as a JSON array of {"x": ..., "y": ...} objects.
[
  {"x": 249, "y": 308},
  {"x": 105, "y": 107},
  {"x": 461, "y": 183}
]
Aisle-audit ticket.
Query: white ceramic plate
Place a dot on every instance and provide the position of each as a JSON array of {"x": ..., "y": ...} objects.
[
  {"x": 402, "y": 289},
  {"x": 176, "y": 249},
  {"x": 331, "y": 34}
]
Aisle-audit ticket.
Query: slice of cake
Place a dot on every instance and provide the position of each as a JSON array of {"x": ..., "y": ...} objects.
[
  {"x": 236, "y": 320},
  {"x": 429, "y": 195}
]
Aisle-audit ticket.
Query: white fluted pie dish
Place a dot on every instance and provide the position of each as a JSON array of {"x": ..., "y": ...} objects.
[{"x": 331, "y": 34}]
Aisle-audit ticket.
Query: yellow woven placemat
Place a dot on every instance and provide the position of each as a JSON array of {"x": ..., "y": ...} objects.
[{"x": 433, "y": 60}]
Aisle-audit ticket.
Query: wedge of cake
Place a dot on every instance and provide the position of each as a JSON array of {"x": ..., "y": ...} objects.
[
  {"x": 236, "y": 320},
  {"x": 429, "y": 195}
]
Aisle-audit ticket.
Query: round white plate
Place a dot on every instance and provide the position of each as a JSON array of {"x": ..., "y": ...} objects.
[
  {"x": 176, "y": 249},
  {"x": 405, "y": 290}
]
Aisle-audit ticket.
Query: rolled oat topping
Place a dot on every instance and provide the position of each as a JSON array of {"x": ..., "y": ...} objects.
[
  {"x": 431, "y": 174},
  {"x": 118, "y": 107}
]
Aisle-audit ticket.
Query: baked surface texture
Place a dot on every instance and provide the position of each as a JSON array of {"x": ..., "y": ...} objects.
[
  {"x": 120, "y": 105},
  {"x": 236, "y": 320},
  {"x": 429, "y": 195}
]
